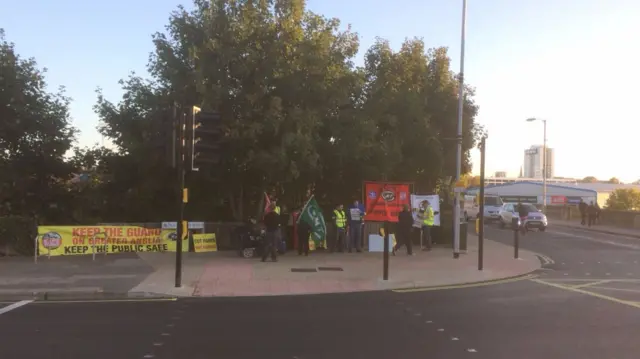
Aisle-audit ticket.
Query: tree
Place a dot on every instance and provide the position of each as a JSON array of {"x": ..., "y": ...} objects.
[
  {"x": 624, "y": 199},
  {"x": 613, "y": 180},
  {"x": 300, "y": 116},
  {"x": 35, "y": 134},
  {"x": 589, "y": 179}
]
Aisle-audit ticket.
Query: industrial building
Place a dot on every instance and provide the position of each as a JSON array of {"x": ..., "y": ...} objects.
[
  {"x": 603, "y": 190},
  {"x": 532, "y": 192}
]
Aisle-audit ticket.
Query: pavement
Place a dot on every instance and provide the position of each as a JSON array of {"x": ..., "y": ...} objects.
[
  {"x": 225, "y": 274},
  {"x": 583, "y": 303}
]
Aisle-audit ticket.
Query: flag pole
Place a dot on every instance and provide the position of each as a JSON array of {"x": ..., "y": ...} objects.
[{"x": 303, "y": 208}]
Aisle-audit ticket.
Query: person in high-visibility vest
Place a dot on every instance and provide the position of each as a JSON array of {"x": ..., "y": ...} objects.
[
  {"x": 340, "y": 220},
  {"x": 426, "y": 215}
]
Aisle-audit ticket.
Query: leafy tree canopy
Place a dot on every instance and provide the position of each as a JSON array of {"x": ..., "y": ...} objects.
[{"x": 624, "y": 199}]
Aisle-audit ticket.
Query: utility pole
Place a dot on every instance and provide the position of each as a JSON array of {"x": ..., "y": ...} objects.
[
  {"x": 481, "y": 210},
  {"x": 181, "y": 194},
  {"x": 456, "y": 210}
]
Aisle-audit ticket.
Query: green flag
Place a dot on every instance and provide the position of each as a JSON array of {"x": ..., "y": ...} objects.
[{"x": 312, "y": 215}]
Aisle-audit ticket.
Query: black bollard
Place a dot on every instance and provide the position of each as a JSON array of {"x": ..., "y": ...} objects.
[
  {"x": 516, "y": 236},
  {"x": 385, "y": 257}
]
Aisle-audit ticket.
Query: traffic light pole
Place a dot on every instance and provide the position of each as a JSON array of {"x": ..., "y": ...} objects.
[
  {"x": 483, "y": 144},
  {"x": 181, "y": 180}
]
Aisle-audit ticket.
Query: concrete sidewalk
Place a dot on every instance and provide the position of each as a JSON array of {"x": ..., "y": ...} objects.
[
  {"x": 343, "y": 272},
  {"x": 225, "y": 274},
  {"x": 628, "y": 232}
]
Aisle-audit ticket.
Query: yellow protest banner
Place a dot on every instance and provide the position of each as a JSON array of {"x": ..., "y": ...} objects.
[
  {"x": 79, "y": 240},
  {"x": 205, "y": 242}
]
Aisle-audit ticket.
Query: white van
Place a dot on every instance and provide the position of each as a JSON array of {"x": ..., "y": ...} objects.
[{"x": 492, "y": 206}]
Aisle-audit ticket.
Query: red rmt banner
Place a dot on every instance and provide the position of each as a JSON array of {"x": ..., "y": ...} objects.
[{"x": 384, "y": 200}]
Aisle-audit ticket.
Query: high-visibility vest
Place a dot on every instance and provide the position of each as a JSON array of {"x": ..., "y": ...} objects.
[
  {"x": 277, "y": 209},
  {"x": 341, "y": 219},
  {"x": 428, "y": 220}
]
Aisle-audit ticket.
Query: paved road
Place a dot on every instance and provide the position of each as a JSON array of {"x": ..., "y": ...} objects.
[{"x": 561, "y": 314}]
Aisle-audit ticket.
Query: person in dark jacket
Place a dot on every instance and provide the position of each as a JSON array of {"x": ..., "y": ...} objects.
[
  {"x": 592, "y": 212},
  {"x": 582, "y": 207},
  {"x": 405, "y": 224},
  {"x": 304, "y": 230},
  {"x": 272, "y": 224}
]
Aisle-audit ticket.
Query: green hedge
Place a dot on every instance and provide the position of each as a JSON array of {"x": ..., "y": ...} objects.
[{"x": 17, "y": 235}]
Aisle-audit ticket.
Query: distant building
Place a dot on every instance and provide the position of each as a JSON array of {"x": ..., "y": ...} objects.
[
  {"x": 505, "y": 180},
  {"x": 534, "y": 162},
  {"x": 500, "y": 174},
  {"x": 604, "y": 190}
]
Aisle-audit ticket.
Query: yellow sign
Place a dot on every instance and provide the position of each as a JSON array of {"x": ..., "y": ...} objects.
[
  {"x": 205, "y": 242},
  {"x": 78, "y": 240}
]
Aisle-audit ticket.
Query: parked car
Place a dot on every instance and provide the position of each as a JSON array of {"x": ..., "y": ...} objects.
[
  {"x": 492, "y": 206},
  {"x": 535, "y": 218}
]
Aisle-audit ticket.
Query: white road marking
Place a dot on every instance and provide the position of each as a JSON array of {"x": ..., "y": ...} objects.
[
  {"x": 170, "y": 325},
  {"x": 157, "y": 344},
  {"x": 590, "y": 284},
  {"x": 587, "y": 273},
  {"x": 13, "y": 306},
  {"x": 566, "y": 274},
  {"x": 165, "y": 334},
  {"x": 148, "y": 356},
  {"x": 618, "y": 289},
  {"x": 584, "y": 237},
  {"x": 471, "y": 350},
  {"x": 441, "y": 330},
  {"x": 429, "y": 322},
  {"x": 581, "y": 262},
  {"x": 454, "y": 338}
]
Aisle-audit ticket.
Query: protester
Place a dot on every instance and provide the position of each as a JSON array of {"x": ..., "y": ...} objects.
[
  {"x": 272, "y": 224},
  {"x": 340, "y": 220},
  {"x": 304, "y": 230},
  {"x": 405, "y": 224},
  {"x": 356, "y": 215},
  {"x": 426, "y": 217}
]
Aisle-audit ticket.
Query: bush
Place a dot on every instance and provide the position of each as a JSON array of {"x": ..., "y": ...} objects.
[{"x": 17, "y": 235}]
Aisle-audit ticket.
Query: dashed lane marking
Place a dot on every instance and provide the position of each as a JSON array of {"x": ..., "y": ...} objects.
[
  {"x": 597, "y": 295},
  {"x": 13, "y": 306},
  {"x": 467, "y": 285}
]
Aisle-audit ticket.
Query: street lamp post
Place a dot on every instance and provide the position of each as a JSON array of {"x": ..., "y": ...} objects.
[
  {"x": 544, "y": 162},
  {"x": 456, "y": 210}
]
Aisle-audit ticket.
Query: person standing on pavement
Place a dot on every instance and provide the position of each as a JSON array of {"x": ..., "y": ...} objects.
[
  {"x": 592, "y": 212},
  {"x": 426, "y": 216},
  {"x": 272, "y": 224},
  {"x": 286, "y": 228},
  {"x": 356, "y": 214},
  {"x": 303, "y": 231},
  {"x": 582, "y": 207},
  {"x": 598, "y": 211},
  {"x": 405, "y": 224},
  {"x": 340, "y": 220}
]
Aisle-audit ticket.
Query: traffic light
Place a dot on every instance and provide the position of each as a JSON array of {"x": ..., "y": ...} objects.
[{"x": 206, "y": 139}]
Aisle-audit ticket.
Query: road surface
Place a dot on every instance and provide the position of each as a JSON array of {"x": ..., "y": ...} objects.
[{"x": 574, "y": 309}]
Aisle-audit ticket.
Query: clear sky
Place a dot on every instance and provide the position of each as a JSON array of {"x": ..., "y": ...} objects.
[{"x": 572, "y": 62}]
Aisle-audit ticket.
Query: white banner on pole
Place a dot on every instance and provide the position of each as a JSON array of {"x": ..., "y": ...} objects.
[{"x": 434, "y": 201}]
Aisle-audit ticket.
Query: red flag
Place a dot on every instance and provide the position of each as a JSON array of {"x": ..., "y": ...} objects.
[{"x": 267, "y": 204}]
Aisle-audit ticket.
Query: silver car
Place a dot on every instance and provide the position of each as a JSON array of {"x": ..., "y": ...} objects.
[{"x": 535, "y": 218}]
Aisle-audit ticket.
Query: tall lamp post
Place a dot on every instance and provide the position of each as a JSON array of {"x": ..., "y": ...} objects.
[
  {"x": 544, "y": 162},
  {"x": 456, "y": 210}
]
